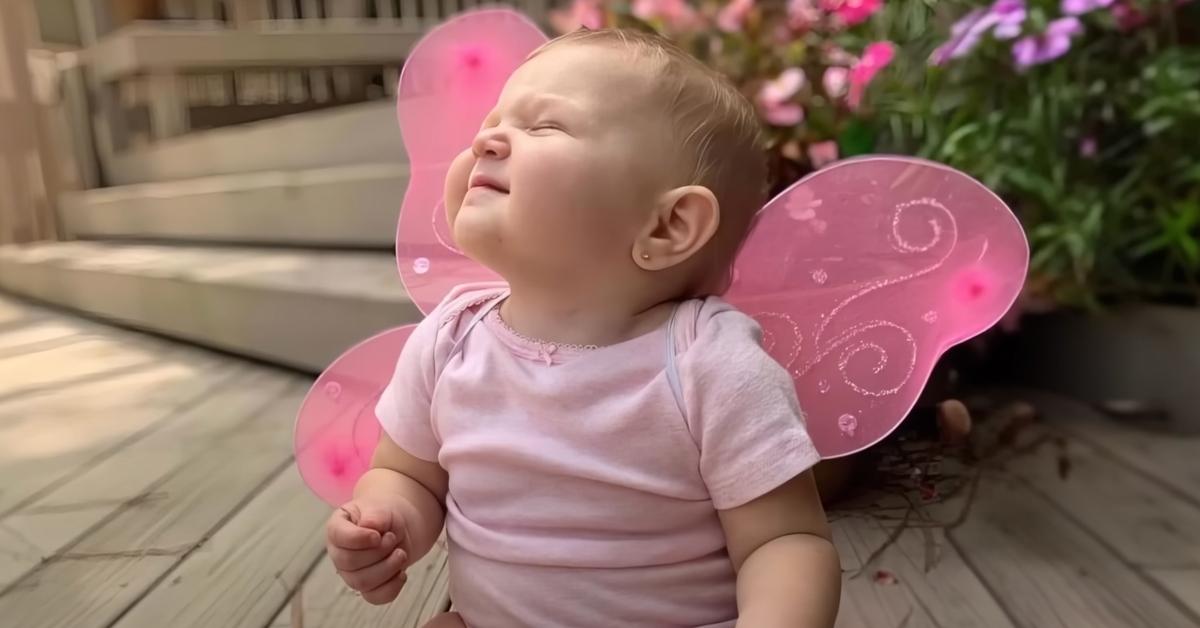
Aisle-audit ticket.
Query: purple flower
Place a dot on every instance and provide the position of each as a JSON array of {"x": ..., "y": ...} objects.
[
  {"x": 1049, "y": 45},
  {"x": 964, "y": 36},
  {"x": 1010, "y": 15},
  {"x": 1079, "y": 7},
  {"x": 1004, "y": 18}
]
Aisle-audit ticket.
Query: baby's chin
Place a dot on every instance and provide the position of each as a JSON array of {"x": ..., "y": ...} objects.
[{"x": 479, "y": 241}]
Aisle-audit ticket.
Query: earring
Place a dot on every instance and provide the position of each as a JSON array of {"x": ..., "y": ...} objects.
[{"x": 646, "y": 256}]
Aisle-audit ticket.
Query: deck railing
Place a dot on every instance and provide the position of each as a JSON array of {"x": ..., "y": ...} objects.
[{"x": 213, "y": 63}]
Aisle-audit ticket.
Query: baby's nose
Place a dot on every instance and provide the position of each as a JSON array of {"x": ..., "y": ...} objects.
[{"x": 492, "y": 143}]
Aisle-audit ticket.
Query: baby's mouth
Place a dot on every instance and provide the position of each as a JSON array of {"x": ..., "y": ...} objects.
[{"x": 486, "y": 182}]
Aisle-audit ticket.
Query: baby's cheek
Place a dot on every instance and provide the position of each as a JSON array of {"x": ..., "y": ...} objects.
[{"x": 457, "y": 178}]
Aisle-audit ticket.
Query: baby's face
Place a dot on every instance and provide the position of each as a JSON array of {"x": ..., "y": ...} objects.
[{"x": 565, "y": 170}]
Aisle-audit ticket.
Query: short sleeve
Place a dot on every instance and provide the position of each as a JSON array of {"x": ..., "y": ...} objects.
[
  {"x": 742, "y": 410},
  {"x": 405, "y": 408}
]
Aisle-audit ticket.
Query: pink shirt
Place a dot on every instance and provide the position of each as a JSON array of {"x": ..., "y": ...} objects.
[{"x": 584, "y": 485}]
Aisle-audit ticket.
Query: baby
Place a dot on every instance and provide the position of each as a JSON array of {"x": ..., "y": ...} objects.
[{"x": 606, "y": 443}]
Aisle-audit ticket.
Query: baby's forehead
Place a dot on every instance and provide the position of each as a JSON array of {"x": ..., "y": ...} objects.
[{"x": 588, "y": 72}]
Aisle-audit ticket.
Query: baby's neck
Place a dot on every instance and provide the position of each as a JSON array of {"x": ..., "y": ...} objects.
[{"x": 581, "y": 320}]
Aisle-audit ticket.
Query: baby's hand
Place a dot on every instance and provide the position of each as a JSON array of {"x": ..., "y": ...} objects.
[{"x": 367, "y": 542}]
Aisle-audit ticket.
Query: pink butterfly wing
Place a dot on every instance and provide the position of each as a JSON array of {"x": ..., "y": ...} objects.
[
  {"x": 863, "y": 274},
  {"x": 336, "y": 428},
  {"x": 448, "y": 85},
  {"x": 450, "y": 81}
]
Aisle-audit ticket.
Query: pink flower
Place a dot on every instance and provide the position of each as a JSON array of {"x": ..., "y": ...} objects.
[
  {"x": 582, "y": 14},
  {"x": 775, "y": 98},
  {"x": 676, "y": 14},
  {"x": 836, "y": 55},
  {"x": 732, "y": 17},
  {"x": 835, "y": 80},
  {"x": 852, "y": 12},
  {"x": 823, "y": 153},
  {"x": 802, "y": 14},
  {"x": 875, "y": 57},
  {"x": 1088, "y": 147}
]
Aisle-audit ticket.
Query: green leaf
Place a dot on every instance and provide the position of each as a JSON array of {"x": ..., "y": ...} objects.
[
  {"x": 1191, "y": 251},
  {"x": 856, "y": 139}
]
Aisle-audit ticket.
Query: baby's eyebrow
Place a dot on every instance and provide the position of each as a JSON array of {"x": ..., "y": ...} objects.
[{"x": 529, "y": 101}]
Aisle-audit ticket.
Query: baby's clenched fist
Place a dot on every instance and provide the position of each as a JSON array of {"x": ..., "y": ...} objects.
[{"x": 368, "y": 544}]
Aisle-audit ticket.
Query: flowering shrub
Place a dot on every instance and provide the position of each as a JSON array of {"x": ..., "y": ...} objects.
[
  {"x": 1085, "y": 116},
  {"x": 806, "y": 64}
]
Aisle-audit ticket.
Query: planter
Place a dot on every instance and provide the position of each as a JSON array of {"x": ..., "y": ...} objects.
[{"x": 1141, "y": 361}]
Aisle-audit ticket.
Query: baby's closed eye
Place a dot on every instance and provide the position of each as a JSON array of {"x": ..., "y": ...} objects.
[{"x": 547, "y": 127}]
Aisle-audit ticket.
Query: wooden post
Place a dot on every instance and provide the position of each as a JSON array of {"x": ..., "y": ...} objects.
[
  {"x": 168, "y": 104},
  {"x": 246, "y": 12},
  {"x": 27, "y": 171}
]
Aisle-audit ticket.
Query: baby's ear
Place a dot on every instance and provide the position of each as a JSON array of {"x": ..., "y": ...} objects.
[{"x": 684, "y": 220}]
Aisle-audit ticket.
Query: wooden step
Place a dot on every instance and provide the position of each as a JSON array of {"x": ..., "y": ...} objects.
[
  {"x": 346, "y": 206},
  {"x": 352, "y": 134},
  {"x": 299, "y": 308}
]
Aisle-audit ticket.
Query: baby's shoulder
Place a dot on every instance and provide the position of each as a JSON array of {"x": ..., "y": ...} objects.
[
  {"x": 712, "y": 323},
  {"x": 720, "y": 345}
]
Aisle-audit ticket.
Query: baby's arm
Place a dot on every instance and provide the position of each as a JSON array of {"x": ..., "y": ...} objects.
[
  {"x": 782, "y": 548},
  {"x": 417, "y": 487}
]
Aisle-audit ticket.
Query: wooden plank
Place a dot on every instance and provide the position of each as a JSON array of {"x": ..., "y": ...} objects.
[
  {"x": 242, "y": 13},
  {"x": 1046, "y": 571},
  {"x": 96, "y": 580},
  {"x": 323, "y": 601},
  {"x": 23, "y": 374},
  {"x": 103, "y": 391},
  {"x": 311, "y": 9},
  {"x": 36, "y": 330},
  {"x": 38, "y": 336},
  {"x": 432, "y": 11},
  {"x": 47, "y": 439},
  {"x": 385, "y": 9},
  {"x": 410, "y": 14},
  {"x": 1138, "y": 519},
  {"x": 205, "y": 9},
  {"x": 345, "y": 8},
  {"x": 248, "y": 569},
  {"x": 1169, "y": 459},
  {"x": 285, "y": 10},
  {"x": 13, "y": 311},
  {"x": 86, "y": 498},
  {"x": 1184, "y": 584},
  {"x": 945, "y": 593}
]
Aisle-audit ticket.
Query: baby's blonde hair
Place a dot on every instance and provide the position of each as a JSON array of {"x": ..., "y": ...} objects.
[{"x": 720, "y": 137}]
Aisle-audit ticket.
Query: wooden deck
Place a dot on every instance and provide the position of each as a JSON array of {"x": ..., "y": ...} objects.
[{"x": 145, "y": 483}]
